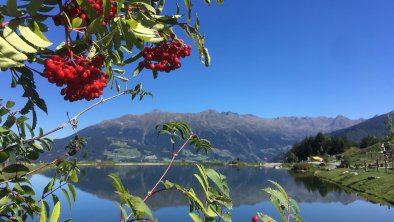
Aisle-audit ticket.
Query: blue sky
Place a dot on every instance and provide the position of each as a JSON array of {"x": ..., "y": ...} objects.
[{"x": 269, "y": 58}]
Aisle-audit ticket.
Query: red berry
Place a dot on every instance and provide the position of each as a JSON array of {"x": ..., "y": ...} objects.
[
  {"x": 83, "y": 16},
  {"x": 255, "y": 219},
  {"x": 80, "y": 69},
  {"x": 103, "y": 23}
]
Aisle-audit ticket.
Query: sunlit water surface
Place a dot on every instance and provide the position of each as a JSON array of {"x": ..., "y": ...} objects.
[{"x": 319, "y": 201}]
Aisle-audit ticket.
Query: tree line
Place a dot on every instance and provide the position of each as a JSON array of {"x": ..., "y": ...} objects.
[{"x": 318, "y": 145}]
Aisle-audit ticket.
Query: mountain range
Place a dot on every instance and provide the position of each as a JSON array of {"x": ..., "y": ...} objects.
[
  {"x": 247, "y": 137},
  {"x": 375, "y": 126}
]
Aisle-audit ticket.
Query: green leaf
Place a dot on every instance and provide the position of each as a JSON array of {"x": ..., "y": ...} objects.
[
  {"x": 8, "y": 51},
  {"x": 32, "y": 155},
  {"x": 27, "y": 190},
  {"x": 146, "y": 7},
  {"x": 73, "y": 176},
  {"x": 106, "y": 7},
  {"x": 201, "y": 182},
  {"x": 188, "y": 4},
  {"x": 35, "y": 27},
  {"x": 9, "y": 63},
  {"x": 72, "y": 191},
  {"x": 117, "y": 183},
  {"x": 16, "y": 41},
  {"x": 160, "y": 6},
  {"x": 134, "y": 58},
  {"x": 208, "y": 2},
  {"x": 43, "y": 216},
  {"x": 76, "y": 22},
  {"x": 219, "y": 1},
  {"x": 123, "y": 79},
  {"x": 123, "y": 211},
  {"x": 126, "y": 34},
  {"x": 137, "y": 71},
  {"x": 33, "y": 38},
  {"x": 205, "y": 58},
  {"x": 11, "y": 8},
  {"x": 17, "y": 168},
  {"x": 21, "y": 119},
  {"x": 140, "y": 206},
  {"x": 38, "y": 147},
  {"x": 49, "y": 186},
  {"x": 96, "y": 25},
  {"x": 10, "y": 104},
  {"x": 34, "y": 5},
  {"x": 89, "y": 10},
  {"x": 280, "y": 188},
  {"x": 67, "y": 197},
  {"x": 195, "y": 217},
  {"x": 4, "y": 156},
  {"x": 55, "y": 212}
]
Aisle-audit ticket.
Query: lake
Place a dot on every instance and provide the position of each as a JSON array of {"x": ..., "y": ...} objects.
[{"x": 319, "y": 201}]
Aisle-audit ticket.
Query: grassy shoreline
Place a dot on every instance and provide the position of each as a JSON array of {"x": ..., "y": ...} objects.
[{"x": 377, "y": 187}]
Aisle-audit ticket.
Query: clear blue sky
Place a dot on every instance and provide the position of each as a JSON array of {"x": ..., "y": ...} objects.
[{"x": 269, "y": 58}]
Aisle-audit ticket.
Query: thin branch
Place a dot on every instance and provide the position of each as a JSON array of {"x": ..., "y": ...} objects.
[
  {"x": 174, "y": 155},
  {"x": 30, "y": 172},
  {"x": 52, "y": 191},
  {"x": 68, "y": 122}
]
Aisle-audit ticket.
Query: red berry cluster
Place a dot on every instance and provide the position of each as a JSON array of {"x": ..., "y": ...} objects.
[
  {"x": 83, "y": 78},
  {"x": 73, "y": 10},
  {"x": 165, "y": 56}
]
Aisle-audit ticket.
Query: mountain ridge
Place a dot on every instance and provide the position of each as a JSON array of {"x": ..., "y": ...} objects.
[{"x": 245, "y": 136}]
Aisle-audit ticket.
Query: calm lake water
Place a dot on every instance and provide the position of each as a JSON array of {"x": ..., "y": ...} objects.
[{"x": 319, "y": 201}]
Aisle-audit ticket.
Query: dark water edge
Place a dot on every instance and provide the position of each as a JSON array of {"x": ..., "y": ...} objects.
[{"x": 316, "y": 197}]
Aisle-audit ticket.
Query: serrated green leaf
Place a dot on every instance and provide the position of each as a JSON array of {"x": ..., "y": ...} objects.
[
  {"x": 7, "y": 51},
  {"x": 36, "y": 27},
  {"x": 55, "y": 212},
  {"x": 16, "y": 41},
  {"x": 34, "y": 5},
  {"x": 140, "y": 206},
  {"x": 33, "y": 38}
]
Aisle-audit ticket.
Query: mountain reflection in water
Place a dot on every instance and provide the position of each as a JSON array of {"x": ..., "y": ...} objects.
[{"x": 245, "y": 184}]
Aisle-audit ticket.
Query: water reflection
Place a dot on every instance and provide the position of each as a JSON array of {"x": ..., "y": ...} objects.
[{"x": 245, "y": 184}]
